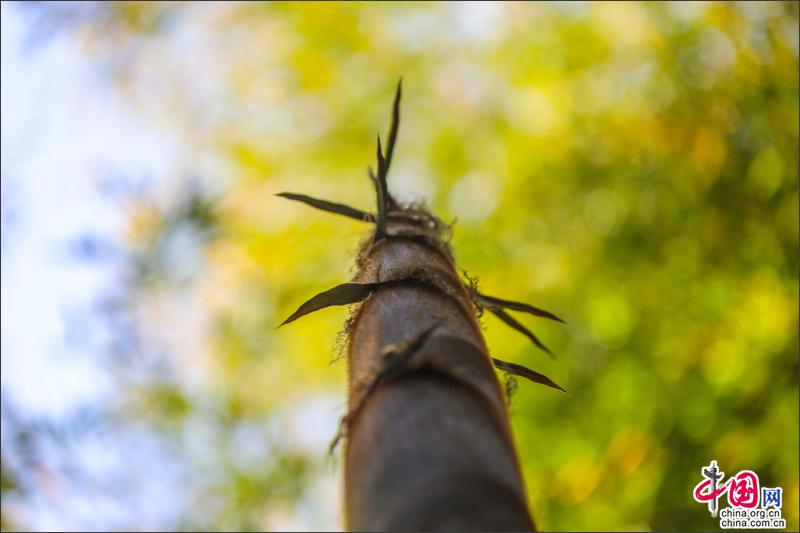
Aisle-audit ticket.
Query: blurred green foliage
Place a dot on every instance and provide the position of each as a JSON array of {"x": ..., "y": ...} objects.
[{"x": 632, "y": 167}]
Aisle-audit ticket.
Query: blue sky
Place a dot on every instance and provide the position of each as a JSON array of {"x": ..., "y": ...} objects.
[
  {"x": 58, "y": 122},
  {"x": 65, "y": 131}
]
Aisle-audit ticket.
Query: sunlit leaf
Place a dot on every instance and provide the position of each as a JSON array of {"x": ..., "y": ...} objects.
[
  {"x": 331, "y": 207},
  {"x": 344, "y": 294},
  {"x": 511, "y": 321},
  {"x": 525, "y": 372}
]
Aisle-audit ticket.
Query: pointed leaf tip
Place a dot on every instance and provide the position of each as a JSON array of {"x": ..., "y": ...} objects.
[
  {"x": 395, "y": 125},
  {"x": 516, "y": 306},
  {"x": 330, "y": 207},
  {"x": 525, "y": 372},
  {"x": 344, "y": 294},
  {"x": 511, "y": 321}
]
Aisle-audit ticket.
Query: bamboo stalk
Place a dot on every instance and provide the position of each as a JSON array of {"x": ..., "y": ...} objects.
[
  {"x": 432, "y": 449},
  {"x": 429, "y": 444}
]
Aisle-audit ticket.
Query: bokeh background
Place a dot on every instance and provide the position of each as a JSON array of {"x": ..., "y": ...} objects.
[{"x": 632, "y": 167}]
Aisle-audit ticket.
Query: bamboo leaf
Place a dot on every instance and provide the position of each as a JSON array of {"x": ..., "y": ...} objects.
[
  {"x": 331, "y": 207},
  {"x": 382, "y": 168},
  {"x": 380, "y": 193},
  {"x": 344, "y": 294},
  {"x": 395, "y": 125},
  {"x": 525, "y": 372},
  {"x": 491, "y": 301},
  {"x": 511, "y": 321}
]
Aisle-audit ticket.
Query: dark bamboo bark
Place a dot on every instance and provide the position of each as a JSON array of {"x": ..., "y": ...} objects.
[{"x": 432, "y": 448}]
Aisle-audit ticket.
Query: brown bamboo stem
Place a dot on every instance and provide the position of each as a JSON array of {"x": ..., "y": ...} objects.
[{"x": 431, "y": 449}]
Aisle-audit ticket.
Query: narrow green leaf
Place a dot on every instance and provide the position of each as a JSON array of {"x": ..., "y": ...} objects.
[
  {"x": 344, "y": 294},
  {"x": 525, "y": 372},
  {"x": 491, "y": 301},
  {"x": 511, "y": 321},
  {"x": 331, "y": 207}
]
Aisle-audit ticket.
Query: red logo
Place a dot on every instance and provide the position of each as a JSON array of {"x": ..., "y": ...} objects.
[
  {"x": 744, "y": 496},
  {"x": 742, "y": 488},
  {"x": 743, "y": 491}
]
